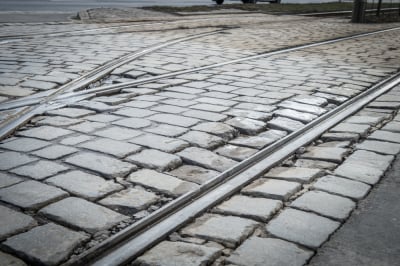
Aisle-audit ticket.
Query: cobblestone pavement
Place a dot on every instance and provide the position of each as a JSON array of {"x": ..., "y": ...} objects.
[{"x": 96, "y": 166}]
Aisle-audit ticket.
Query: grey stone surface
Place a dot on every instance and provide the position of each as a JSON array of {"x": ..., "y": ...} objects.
[
  {"x": 118, "y": 133},
  {"x": 82, "y": 214},
  {"x": 335, "y": 144},
  {"x": 104, "y": 165},
  {"x": 8, "y": 180},
  {"x": 256, "y": 142},
  {"x": 258, "y": 251},
  {"x": 194, "y": 173},
  {"x": 228, "y": 230},
  {"x": 254, "y": 208},
  {"x": 305, "y": 163},
  {"x": 155, "y": 159},
  {"x": 385, "y": 105},
  {"x": 202, "y": 139},
  {"x": 116, "y": 148},
  {"x": 174, "y": 120},
  {"x": 249, "y": 114},
  {"x": 31, "y": 195},
  {"x": 344, "y": 136},
  {"x": 7, "y": 259},
  {"x": 342, "y": 186},
  {"x": 329, "y": 154},
  {"x": 73, "y": 140},
  {"x": 12, "y": 159},
  {"x": 286, "y": 124},
  {"x": 235, "y": 152},
  {"x": 158, "y": 142},
  {"x": 93, "y": 105},
  {"x": 71, "y": 112},
  {"x": 40, "y": 170},
  {"x": 87, "y": 126},
  {"x": 363, "y": 119},
  {"x": 45, "y": 132},
  {"x": 305, "y": 228},
  {"x": 364, "y": 166},
  {"x": 49, "y": 244},
  {"x": 133, "y": 199},
  {"x": 13, "y": 222},
  {"x": 204, "y": 115},
  {"x": 161, "y": 182},
  {"x": 24, "y": 144},
  {"x": 379, "y": 147},
  {"x": 132, "y": 122},
  {"x": 167, "y": 130},
  {"x": 392, "y": 126},
  {"x": 55, "y": 152},
  {"x": 351, "y": 128},
  {"x": 205, "y": 158},
  {"x": 272, "y": 188},
  {"x": 58, "y": 121},
  {"x": 385, "y": 136},
  {"x": 302, "y": 107},
  {"x": 298, "y": 174},
  {"x": 325, "y": 204},
  {"x": 84, "y": 185},
  {"x": 178, "y": 253},
  {"x": 246, "y": 125},
  {"x": 103, "y": 118},
  {"x": 220, "y": 129},
  {"x": 309, "y": 99},
  {"x": 295, "y": 115}
]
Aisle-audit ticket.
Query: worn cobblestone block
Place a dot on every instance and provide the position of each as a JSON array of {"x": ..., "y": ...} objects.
[
  {"x": 54, "y": 152},
  {"x": 385, "y": 136},
  {"x": 302, "y": 107},
  {"x": 134, "y": 112},
  {"x": 345, "y": 136},
  {"x": 363, "y": 119},
  {"x": 305, "y": 163},
  {"x": 205, "y": 115},
  {"x": 158, "y": 142},
  {"x": 392, "y": 126},
  {"x": 73, "y": 140},
  {"x": 102, "y": 118},
  {"x": 228, "y": 230},
  {"x": 342, "y": 186},
  {"x": 249, "y": 114},
  {"x": 235, "y": 152},
  {"x": 71, "y": 112},
  {"x": 58, "y": 121},
  {"x": 256, "y": 107},
  {"x": 31, "y": 195},
  {"x": 305, "y": 228},
  {"x": 39, "y": 170},
  {"x": 286, "y": 124},
  {"x": 220, "y": 129},
  {"x": 134, "y": 199},
  {"x": 82, "y": 214},
  {"x": 385, "y": 105},
  {"x": 269, "y": 252},
  {"x": 24, "y": 144},
  {"x": 118, "y": 133},
  {"x": 194, "y": 173},
  {"x": 87, "y": 126},
  {"x": 298, "y": 174},
  {"x": 254, "y": 208},
  {"x": 205, "y": 158},
  {"x": 132, "y": 122},
  {"x": 116, "y": 148},
  {"x": 161, "y": 182},
  {"x": 379, "y": 147},
  {"x": 271, "y": 188},
  {"x": 104, "y": 165},
  {"x": 93, "y": 105},
  {"x": 13, "y": 222},
  {"x": 246, "y": 125},
  {"x": 309, "y": 99},
  {"x": 178, "y": 253},
  {"x": 84, "y": 185},
  {"x": 256, "y": 142},
  {"x": 8, "y": 259},
  {"x": 351, "y": 128},
  {"x": 49, "y": 244},
  {"x": 155, "y": 159},
  {"x": 45, "y": 132},
  {"x": 12, "y": 159},
  {"x": 325, "y": 204},
  {"x": 329, "y": 154},
  {"x": 175, "y": 120},
  {"x": 8, "y": 180},
  {"x": 295, "y": 115},
  {"x": 202, "y": 140}
]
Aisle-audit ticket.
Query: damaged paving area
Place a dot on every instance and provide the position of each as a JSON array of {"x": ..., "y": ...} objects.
[{"x": 86, "y": 169}]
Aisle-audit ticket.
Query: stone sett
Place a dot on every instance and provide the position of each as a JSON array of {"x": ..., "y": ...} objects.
[
  {"x": 82, "y": 214},
  {"x": 392, "y": 126},
  {"x": 31, "y": 195},
  {"x": 325, "y": 204},
  {"x": 54, "y": 152},
  {"x": 167, "y": 130},
  {"x": 117, "y": 133},
  {"x": 351, "y": 128},
  {"x": 49, "y": 244},
  {"x": 24, "y": 144},
  {"x": 385, "y": 136},
  {"x": 12, "y": 159},
  {"x": 40, "y": 170},
  {"x": 304, "y": 228},
  {"x": 236, "y": 152},
  {"x": 164, "y": 183},
  {"x": 161, "y": 143},
  {"x": 194, "y": 173},
  {"x": 13, "y": 222},
  {"x": 228, "y": 230},
  {"x": 107, "y": 166},
  {"x": 329, "y": 154},
  {"x": 206, "y": 159},
  {"x": 379, "y": 147},
  {"x": 342, "y": 186},
  {"x": 286, "y": 124},
  {"x": 272, "y": 188},
  {"x": 260, "y": 209},
  {"x": 202, "y": 139},
  {"x": 305, "y": 163},
  {"x": 8, "y": 180},
  {"x": 71, "y": 112},
  {"x": 256, "y": 142},
  {"x": 298, "y": 174},
  {"x": 116, "y": 148},
  {"x": 175, "y": 120},
  {"x": 295, "y": 115},
  {"x": 178, "y": 253},
  {"x": 84, "y": 185},
  {"x": 87, "y": 126},
  {"x": 220, "y": 129},
  {"x": 246, "y": 125},
  {"x": 58, "y": 121},
  {"x": 7, "y": 259},
  {"x": 45, "y": 132},
  {"x": 132, "y": 122},
  {"x": 155, "y": 159},
  {"x": 257, "y": 251}
]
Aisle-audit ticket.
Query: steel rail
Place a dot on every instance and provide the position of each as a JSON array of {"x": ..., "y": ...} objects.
[{"x": 142, "y": 235}]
